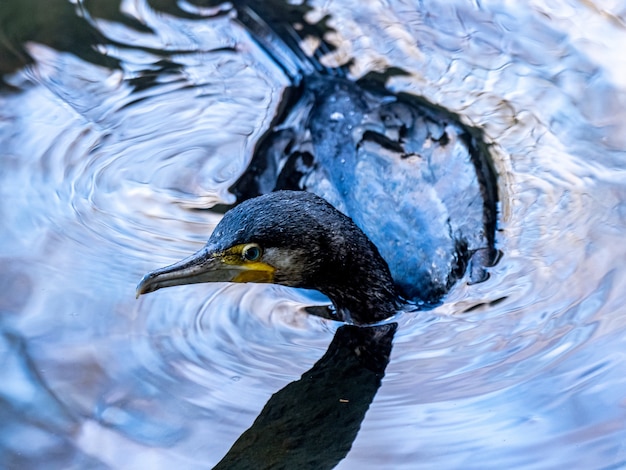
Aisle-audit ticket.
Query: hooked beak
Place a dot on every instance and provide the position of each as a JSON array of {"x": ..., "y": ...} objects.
[{"x": 205, "y": 266}]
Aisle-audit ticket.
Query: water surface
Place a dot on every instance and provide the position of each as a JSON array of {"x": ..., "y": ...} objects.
[{"x": 111, "y": 158}]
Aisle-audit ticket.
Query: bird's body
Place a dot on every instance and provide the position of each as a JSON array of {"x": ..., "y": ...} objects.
[
  {"x": 296, "y": 239},
  {"x": 409, "y": 175}
]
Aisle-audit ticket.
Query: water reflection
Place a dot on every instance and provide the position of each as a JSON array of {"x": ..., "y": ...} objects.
[
  {"x": 312, "y": 423},
  {"x": 23, "y": 386}
]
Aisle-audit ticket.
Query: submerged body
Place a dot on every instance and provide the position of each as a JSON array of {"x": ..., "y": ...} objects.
[{"x": 409, "y": 175}]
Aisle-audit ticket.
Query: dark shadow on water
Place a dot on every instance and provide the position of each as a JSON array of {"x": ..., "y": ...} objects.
[{"x": 312, "y": 423}]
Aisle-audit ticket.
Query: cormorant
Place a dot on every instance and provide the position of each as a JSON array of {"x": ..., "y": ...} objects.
[{"x": 296, "y": 239}]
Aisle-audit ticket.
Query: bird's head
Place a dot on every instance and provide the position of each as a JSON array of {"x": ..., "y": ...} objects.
[{"x": 295, "y": 239}]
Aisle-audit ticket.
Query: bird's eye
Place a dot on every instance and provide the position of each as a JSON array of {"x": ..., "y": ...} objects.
[{"x": 251, "y": 252}]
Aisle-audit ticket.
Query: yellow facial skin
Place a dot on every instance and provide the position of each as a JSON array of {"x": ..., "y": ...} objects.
[{"x": 252, "y": 270}]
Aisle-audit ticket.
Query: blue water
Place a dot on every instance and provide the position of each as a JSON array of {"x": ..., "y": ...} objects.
[{"x": 105, "y": 173}]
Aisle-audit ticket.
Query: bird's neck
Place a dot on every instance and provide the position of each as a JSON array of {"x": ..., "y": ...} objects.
[{"x": 364, "y": 308}]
